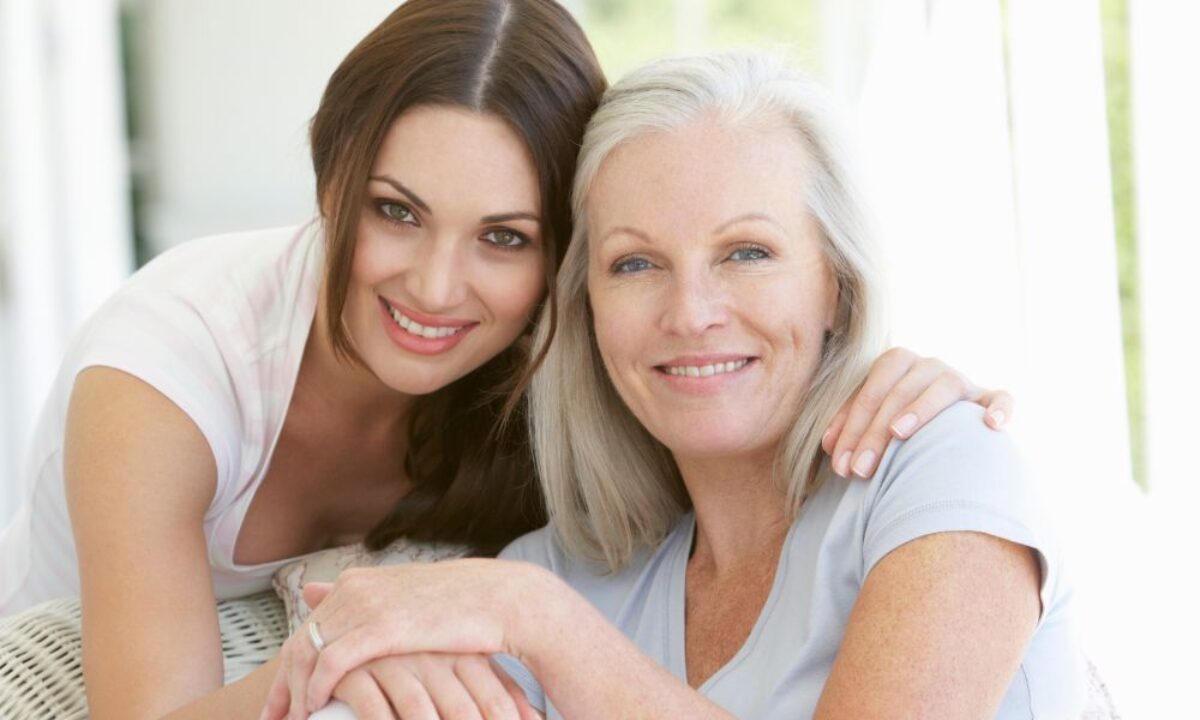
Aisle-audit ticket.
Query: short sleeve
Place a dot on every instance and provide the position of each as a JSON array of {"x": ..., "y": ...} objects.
[
  {"x": 956, "y": 475},
  {"x": 165, "y": 342}
]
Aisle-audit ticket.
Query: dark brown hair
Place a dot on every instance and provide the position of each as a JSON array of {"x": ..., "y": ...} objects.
[{"x": 528, "y": 63}]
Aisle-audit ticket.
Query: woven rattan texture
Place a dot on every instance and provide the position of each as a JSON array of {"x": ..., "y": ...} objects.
[{"x": 40, "y": 672}]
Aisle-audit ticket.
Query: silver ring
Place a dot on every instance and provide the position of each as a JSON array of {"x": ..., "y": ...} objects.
[{"x": 314, "y": 634}]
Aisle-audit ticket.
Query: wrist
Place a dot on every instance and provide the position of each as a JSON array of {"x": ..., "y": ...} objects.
[{"x": 536, "y": 603}]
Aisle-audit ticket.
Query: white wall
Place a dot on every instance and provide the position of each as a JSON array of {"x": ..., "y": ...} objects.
[{"x": 225, "y": 90}]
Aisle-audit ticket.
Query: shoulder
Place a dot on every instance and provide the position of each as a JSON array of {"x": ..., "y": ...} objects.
[
  {"x": 955, "y": 474},
  {"x": 539, "y": 547},
  {"x": 956, "y": 452},
  {"x": 225, "y": 256}
]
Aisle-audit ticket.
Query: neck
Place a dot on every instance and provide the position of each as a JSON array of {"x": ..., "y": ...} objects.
[
  {"x": 739, "y": 510},
  {"x": 348, "y": 389}
]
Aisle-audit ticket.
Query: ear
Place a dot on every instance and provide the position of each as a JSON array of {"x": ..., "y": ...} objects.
[{"x": 315, "y": 592}]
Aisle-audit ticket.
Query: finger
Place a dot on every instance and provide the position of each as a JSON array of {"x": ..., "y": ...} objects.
[
  {"x": 278, "y": 697},
  {"x": 342, "y": 654},
  {"x": 408, "y": 697},
  {"x": 830, "y": 438},
  {"x": 525, "y": 711},
  {"x": 947, "y": 389},
  {"x": 450, "y": 696},
  {"x": 887, "y": 371},
  {"x": 315, "y": 592},
  {"x": 999, "y": 406},
  {"x": 879, "y": 433},
  {"x": 487, "y": 690},
  {"x": 362, "y": 693},
  {"x": 302, "y": 656}
]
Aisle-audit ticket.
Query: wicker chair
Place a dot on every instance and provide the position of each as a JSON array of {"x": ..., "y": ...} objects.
[
  {"x": 40, "y": 671},
  {"x": 41, "y": 676}
]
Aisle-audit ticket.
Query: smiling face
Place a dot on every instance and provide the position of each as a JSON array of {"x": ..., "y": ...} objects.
[
  {"x": 448, "y": 264},
  {"x": 709, "y": 289}
]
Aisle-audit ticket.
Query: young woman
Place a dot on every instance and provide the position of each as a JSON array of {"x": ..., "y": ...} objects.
[
  {"x": 717, "y": 305},
  {"x": 250, "y": 398}
]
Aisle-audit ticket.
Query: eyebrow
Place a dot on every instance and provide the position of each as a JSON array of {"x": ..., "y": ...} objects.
[
  {"x": 748, "y": 217},
  {"x": 416, "y": 200},
  {"x": 625, "y": 229},
  {"x": 399, "y": 187}
]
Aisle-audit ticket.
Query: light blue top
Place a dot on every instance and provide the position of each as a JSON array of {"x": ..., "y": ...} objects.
[{"x": 953, "y": 475}]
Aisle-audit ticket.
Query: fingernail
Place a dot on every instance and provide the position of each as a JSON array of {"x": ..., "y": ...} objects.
[
  {"x": 865, "y": 463},
  {"x": 825, "y": 438},
  {"x": 905, "y": 425},
  {"x": 997, "y": 417},
  {"x": 842, "y": 466}
]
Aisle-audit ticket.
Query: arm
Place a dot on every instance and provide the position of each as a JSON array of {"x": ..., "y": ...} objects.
[
  {"x": 938, "y": 630},
  {"x": 139, "y": 478},
  {"x": 588, "y": 668},
  {"x": 902, "y": 393}
]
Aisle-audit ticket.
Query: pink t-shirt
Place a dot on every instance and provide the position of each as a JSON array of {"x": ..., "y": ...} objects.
[{"x": 218, "y": 325}]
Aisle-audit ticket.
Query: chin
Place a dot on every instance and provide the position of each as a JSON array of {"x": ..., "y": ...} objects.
[
  {"x": 712, "y": 445},
  {"x": 406, "y": 380}
]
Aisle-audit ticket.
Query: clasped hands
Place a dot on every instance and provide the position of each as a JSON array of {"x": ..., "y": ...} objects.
[{"x": 411, "y": 641}]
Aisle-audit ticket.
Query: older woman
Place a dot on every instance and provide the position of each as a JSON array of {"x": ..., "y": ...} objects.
[{"x": 718, "y": 304}]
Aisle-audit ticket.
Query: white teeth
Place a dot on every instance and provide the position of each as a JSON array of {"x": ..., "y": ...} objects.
[
  {"x": 706, "y": 370},
  {"x": 417, "y": 328}
]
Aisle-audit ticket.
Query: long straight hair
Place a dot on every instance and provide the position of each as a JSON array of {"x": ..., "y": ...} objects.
[
  {"x": 611, "y": 488},
  {"x": 527, "y": 63}
]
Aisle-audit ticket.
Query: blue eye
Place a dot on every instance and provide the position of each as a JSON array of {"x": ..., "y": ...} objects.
[
  {"x": 396, "y": 212},
  {"x": 506, "y": 239},
  {"x": 749, "y": 253},
  {"x": 627, "y": 266}
]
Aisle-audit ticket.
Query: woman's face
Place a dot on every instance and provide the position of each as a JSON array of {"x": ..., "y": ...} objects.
[
  {"x": 708, "y": 285},
  {"x": 448, "y": 265}
]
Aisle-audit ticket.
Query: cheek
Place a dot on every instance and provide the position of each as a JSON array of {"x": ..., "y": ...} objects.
[
  {"x": 621, "y": 330},
  {"x": 511, "y": 294},
  {"x": 367, "y": 264}
]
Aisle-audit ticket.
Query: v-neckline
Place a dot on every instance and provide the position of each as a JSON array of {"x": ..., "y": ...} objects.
[{"x": 677, "y": 622}]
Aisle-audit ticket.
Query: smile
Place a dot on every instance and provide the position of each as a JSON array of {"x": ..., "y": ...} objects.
[
  {"x": 708, "y": 370},
  {"x": 426, "y": 331}
]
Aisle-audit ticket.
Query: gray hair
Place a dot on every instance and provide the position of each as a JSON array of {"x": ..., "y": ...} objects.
[{"x": 611, "y": 488}]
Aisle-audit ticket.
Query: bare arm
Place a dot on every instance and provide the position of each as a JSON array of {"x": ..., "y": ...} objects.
[
  {"x": 140, "y": 476},
  {"x": 586, "y": 666},
  {"x": 589, "y": 669},
  {"x": 242, "y": 700},
  {"x": 938, "y": 631}
]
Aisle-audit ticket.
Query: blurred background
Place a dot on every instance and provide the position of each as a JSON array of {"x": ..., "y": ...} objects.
[{"x": 1032, "y": 166}]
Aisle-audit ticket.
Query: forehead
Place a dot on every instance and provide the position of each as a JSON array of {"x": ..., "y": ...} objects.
[
  {"x": 457, "y": 153},
  {"x": 707, "y": 167}
]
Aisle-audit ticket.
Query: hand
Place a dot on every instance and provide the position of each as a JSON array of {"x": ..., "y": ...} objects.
[
  {"x": 901, "y": 393},
  {"x": 429, "y": 686},
  {"x": 459, "y": 607}
]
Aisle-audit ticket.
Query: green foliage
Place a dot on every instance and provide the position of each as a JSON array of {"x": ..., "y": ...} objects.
[
  {"x": 627, "y": 33},
  {"x": 1115, "y": 20}
]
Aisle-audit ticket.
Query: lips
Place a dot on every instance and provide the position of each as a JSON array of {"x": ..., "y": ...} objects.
[
  {"x": 709, "y": 365},
  {"x": 420, "y": 333}
]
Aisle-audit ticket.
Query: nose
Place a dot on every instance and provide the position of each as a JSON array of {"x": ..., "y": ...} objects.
[
  {"x": 437, "y": 279},
  {"x": 694, "y": 303}
]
